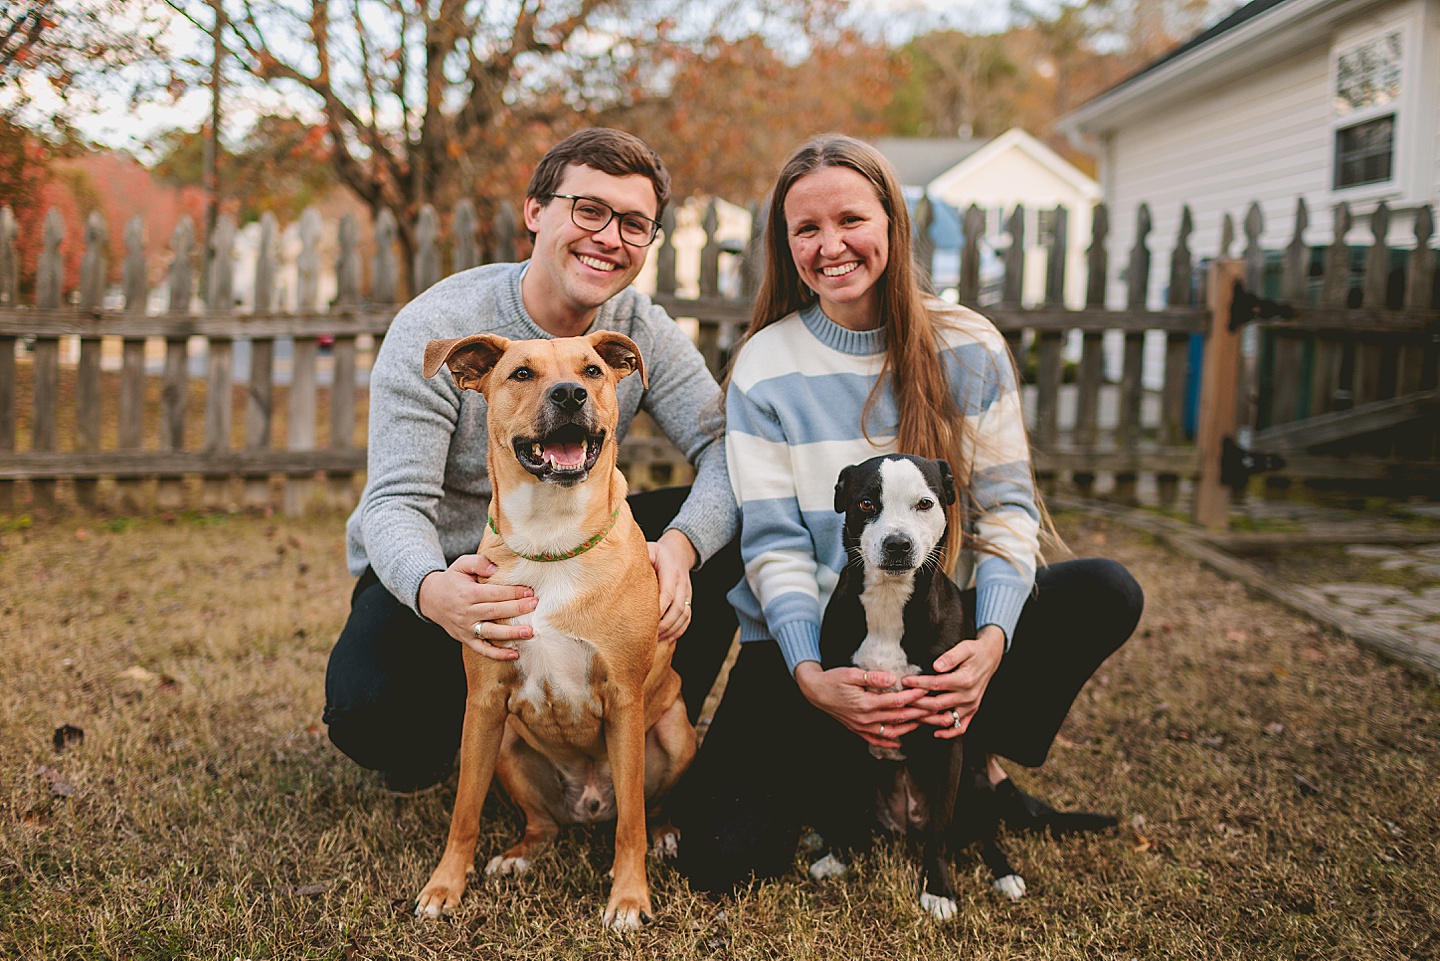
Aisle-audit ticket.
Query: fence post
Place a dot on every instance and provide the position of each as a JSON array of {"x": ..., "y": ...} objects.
[
  {"x": 1218, "y": 409},
  {"x": 303, "y": 407},
  {"x": 426, "y": 267},
  {"x": 342, "y": 373},
  {"x": 132, "y": 361},
  {"x": 219, "y": 402},
  {"x": 973, "y": 230},
  {"x": 9, "y": 300},
  {"x": 50, "y": 284},
  {"x": 260, "y": 396},
  {"x": 1177, "y": 355},
  {"x": 170, "y": 492},
  {"x": 463, "y": 224},
  {"x": 94, "y": 267}
]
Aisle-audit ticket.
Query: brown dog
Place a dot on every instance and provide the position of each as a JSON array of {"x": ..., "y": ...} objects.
[{"x": 588, "y": 723}]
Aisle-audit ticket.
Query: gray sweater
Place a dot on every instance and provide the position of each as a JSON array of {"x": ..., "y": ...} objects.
[{"x": 427, "y": 490}]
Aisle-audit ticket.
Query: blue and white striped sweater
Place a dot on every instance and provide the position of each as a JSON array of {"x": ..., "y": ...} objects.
[{"x": 793, "y": 411}]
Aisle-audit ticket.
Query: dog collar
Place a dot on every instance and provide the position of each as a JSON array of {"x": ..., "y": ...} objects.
[{"x": 574, "y": 552}]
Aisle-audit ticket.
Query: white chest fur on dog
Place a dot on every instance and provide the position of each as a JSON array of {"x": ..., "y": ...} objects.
[
  {"x": 884, "y": 600},
  {"x": 554, "y": 666},
  {"x": 902, "y": 490}
]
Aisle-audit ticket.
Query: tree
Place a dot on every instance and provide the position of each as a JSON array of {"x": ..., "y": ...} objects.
[
  {"x": 282, "y": 165},
  {"x": 427, "y": 102},
  {"x": 55, "y": 55},
  {"x": 736, "y": 109},
  {"x": 960, "y": 84}
]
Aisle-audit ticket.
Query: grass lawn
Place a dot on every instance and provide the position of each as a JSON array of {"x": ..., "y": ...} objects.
[{"x": 1276, "y": 786}]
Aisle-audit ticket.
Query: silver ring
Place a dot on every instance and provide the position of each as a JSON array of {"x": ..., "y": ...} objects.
[
  {"x": 478, "y": 625},
  {"x": 882, "y": 730},
  {"x": 955, "y": 718},
  {"x": 687, "y": 603}
]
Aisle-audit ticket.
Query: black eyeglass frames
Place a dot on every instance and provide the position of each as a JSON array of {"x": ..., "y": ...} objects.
[{"x": 594, "y": 215}]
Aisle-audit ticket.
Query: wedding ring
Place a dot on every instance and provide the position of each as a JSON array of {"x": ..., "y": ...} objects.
[
  {"x": 882, "y": 730},
  {"x": 687, "y": 603},
  {"x": 478, "y": 625},
  {"x": 954, "y": 718}
]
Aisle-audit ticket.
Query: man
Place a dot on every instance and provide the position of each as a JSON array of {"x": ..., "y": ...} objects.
[{"x": 395, "y": 685}]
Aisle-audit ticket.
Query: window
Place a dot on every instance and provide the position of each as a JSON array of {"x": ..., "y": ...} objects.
[
  {"x": 1045, "y": 221},
  {"x": 1369, "y": 108},
  {"x": 1364, "y": 153}
]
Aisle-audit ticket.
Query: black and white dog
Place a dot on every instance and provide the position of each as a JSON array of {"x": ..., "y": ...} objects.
[{"x": 895, "y": 610}]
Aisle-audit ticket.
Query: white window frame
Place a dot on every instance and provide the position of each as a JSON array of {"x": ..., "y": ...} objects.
[{"x": 1414, "y": 105}]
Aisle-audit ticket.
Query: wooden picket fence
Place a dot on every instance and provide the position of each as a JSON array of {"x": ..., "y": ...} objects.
[{"x": 123, "y": 433}]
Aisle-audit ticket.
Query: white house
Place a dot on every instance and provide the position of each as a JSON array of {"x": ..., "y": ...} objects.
[
  {"x": 1329, "y": 100},
  {"x": 997, "y": 175}
]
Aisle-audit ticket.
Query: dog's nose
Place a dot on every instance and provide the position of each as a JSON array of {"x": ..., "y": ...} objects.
[
  {"x": 897, "y": 545},
  {"x": 568, "y": 397}
]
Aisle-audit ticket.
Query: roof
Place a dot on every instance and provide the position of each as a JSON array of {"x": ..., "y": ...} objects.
[
  {"x": 919, "y": 160},
  {"x": 1237, "y": 17},
  {"x": 1259, "y": 33}
]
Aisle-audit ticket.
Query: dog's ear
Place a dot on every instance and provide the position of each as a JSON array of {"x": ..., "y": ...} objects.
[
  {"x": 620, "y": 353},
  {"x": 470, "y": 359},
  {"x": 947, "y": 482},
  {"x": 842, "y": 490}
]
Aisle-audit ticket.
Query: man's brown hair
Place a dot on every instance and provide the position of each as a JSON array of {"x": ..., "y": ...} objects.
[{"x": 609, "y": 151}]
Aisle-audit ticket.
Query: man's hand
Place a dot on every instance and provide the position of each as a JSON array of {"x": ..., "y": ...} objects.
[
  {"x": 673, "y": 557},
  {"x": 844, "y": 693},
  {"x": 459, "y": 600},
  {"x": 964, "y": 672}
]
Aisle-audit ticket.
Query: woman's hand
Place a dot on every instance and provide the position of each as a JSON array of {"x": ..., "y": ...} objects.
[
  {"x": 673, "y": 557},
  {"x": 845, "y": 694},
  {"x": 459, "y": 600},
  {"x": 953, "y": 695}
]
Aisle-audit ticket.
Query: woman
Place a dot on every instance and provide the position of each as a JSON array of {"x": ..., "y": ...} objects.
[{"x": 846, "y": 357}]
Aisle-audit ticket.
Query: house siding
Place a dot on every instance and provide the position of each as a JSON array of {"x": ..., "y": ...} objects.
[
  {"x": 1263, "y": 138},
  {"x": 1266, "y": 137}
]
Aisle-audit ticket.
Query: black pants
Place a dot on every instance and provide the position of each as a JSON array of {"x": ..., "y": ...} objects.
[
  {"x": 395, "y": 684},
  {"x": 768, "y": 763}
]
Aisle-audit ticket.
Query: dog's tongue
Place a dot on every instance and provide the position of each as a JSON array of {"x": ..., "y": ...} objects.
[{"x": 565, "y": 455}]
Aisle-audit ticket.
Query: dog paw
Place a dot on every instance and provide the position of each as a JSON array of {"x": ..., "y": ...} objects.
[
  {"x": 1012, "y": 886},
  {"x": 500, "y": 864},
  {"x": 666, "y": 844},
  {"x": 626, "y": 914},
  {"x": 938, "y": 907},
  {"x": 828, "y": 867},
  {"x": 436, "y": 901}
]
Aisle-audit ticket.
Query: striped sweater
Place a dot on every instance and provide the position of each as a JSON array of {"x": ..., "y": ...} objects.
[{"x": 797, "y": 392}]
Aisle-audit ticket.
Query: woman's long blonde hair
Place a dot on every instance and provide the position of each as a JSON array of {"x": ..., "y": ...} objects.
[{"x": 930, "y": 422}]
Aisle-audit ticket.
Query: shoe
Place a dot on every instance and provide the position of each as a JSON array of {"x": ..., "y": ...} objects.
[
  {"x": 1025, "y": 814},
  {"x": 414, "y": 783}
]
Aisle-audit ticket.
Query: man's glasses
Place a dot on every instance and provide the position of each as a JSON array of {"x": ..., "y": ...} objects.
[{"x": 595, "y": 216}]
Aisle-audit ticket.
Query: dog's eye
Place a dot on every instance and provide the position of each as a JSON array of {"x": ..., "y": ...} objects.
[
  {"x": 924, "y": 504},
  {"x": 593, "y": 370},
  {"x": 522, "y": 373},
  {"x": 866, "y": 505}
]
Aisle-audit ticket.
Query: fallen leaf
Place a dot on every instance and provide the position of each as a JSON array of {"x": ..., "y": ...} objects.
[
  {"x": 81, "y": 534},
  {"x": 1216, "y": 741},
  {"x": 1239, "y": 637},
  {"x": 1142, "y": 843},
  {"x": 66, "y": 735},
  {"x": 1312, "y": 654},
  {"x": 309, "y": 890},
  {"x": 1138, "y": 821},
  {"x": 58, "y": 785},
  {"x": 138, "y": 673},
  {"x": 36, "y": 818},
  {"x": 1063, "y": 741},
  {"x": 1306, "y": 787},
  {"x": 1275, "y": 729}
]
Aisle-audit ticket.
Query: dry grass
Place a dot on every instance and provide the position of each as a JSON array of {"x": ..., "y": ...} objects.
[{"x": 211, "y": 818}]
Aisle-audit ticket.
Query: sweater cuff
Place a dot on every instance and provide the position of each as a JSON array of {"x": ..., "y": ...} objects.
[
  {"x": 1000, "y": 604},
  {"x": 799, "y": 641},
  {"x": 407, "y": 578}
]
